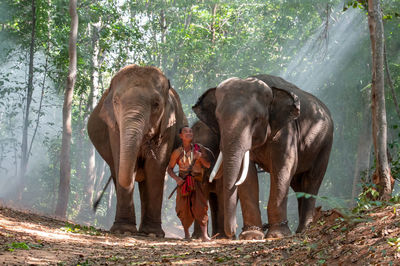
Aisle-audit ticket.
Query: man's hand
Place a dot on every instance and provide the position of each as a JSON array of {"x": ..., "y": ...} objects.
[
  {"x": 179, "y": 181},
  {"x": 197, "y": 155}
]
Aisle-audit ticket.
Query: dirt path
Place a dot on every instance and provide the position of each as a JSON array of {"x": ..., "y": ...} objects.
[{"x": 28, "y": 238}]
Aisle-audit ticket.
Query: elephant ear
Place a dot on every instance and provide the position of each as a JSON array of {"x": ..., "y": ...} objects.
[
  {"x": 205, "y": 109},
  {"x": 285, "y": 107},
  {"x": 107, "y": 110}
]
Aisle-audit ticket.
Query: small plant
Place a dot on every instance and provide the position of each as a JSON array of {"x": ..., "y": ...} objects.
[
  {"x": 84, "y": 263},
  {"x": 18, "y": 245},
  {"x": 116, "y": 258},
  {"x": 76, "y": 228},
  {"x": 394, "y": 242},
  {"x": 349, "y": 216}
]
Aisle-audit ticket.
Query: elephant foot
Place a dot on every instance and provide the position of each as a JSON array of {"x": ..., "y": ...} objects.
[
  {"x": 277, "y": 230},
  {"x": 302, "y": 227},
  {"x": 152, "y": 230},
  {"x": 122, "y": 228},
  {"x": 251, "y": 233}
]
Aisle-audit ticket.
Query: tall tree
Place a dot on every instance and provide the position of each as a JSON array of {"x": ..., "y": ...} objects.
[
  {"x": 364, "y": 146},
  {"x": 65, "y": 164},
  {"x": 29, "y": 92},
  {"x": 379, "y": 124},
  {"x": 91, "y": 104}
]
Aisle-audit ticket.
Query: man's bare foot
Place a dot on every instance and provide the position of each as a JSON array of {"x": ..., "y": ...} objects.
[{"x": 205, "y": 238}]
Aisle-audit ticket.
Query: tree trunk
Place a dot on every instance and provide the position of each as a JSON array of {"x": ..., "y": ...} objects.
[
  {"x": 363, "y": 151},
  {"x": 163, "y": 27},
  {"x": 92, "y": 101},
  {"x": 29, "y": 92},
  {"x": 379, "y": 124},
  {"x": 212, "y": 26},
  {"x": 65, "y": 164}
]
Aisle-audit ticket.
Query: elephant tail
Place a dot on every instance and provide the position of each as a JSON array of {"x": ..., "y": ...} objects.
[{"x": 96, "y": 203}]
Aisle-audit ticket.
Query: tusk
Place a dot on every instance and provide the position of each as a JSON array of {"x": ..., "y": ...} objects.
[
  {"x": 245, "y": 168},
  {"x": 216, "y": 167}
]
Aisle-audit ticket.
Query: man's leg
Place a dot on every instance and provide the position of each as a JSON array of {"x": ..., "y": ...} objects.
[
  {"x": 183, "y": 211},
  {"x": 199, "y": 209}
]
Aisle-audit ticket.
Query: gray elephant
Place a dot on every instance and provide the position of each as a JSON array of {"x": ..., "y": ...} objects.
[
  {"x": 285, "y": 130},
  {"x": 134, "y": 128},
  {"x": 249, "y": 201}
]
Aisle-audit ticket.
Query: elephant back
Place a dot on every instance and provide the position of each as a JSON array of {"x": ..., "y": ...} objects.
[
  {"x": 306, "y": 98},
  {"x": 277, "y": 82}
]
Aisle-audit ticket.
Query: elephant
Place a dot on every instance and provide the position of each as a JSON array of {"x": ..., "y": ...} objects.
[
  {"x": 288, "y": 132},
  {"x": 134, "y": 127},
  {"x": 252, "y": 229}
]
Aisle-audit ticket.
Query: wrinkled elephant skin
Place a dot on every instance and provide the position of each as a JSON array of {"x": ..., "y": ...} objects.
[
  {"x": 287, "y": 131},
  {"x": 249, "y": 201},
  {"x": 134, "y": 127}
]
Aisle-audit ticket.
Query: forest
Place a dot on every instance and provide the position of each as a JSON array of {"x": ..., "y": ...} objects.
[{"x": 321, "y": 46}]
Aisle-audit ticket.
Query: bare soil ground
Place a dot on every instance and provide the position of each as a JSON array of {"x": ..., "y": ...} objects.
[{"x": 27, "y": 238}]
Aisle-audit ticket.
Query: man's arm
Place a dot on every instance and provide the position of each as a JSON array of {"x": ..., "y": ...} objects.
[
  {"x": 204, "y": 162},
  {"x": 202, "y": 158},
  {"x": 170, "y": 169}
]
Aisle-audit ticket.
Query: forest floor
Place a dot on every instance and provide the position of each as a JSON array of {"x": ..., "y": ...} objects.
[{"x": 333, "y": 239}]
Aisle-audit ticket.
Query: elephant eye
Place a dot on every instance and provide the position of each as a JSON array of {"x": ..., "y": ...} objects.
[
  {"x": 155, "y": 104},
  {"x": 255, "y": 120}
]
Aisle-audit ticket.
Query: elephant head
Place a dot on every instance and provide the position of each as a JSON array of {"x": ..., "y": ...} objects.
[
  {"x": 135, "y": 110},
  {"x": 247, "y": 113}
]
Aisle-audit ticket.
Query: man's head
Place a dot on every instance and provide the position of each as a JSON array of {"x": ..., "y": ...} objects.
[{"x": 186, "y": 133}]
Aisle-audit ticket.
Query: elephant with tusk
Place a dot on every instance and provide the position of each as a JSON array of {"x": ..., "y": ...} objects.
[
  {"x": 285, "y": 130},
  {"x": 213, "y": 188}
]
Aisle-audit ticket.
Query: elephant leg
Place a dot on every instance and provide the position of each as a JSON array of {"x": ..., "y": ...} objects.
[
  {"x": 249, "y": 200},
  {"x": 125, "y": 219},
  {"x": 281, "y": 174},
  {"x": 213, "y": 201},
  {"x": 310, "y": 183},
  {"x": 295, "y": 184},
  {"x": 151, "y": 195}
]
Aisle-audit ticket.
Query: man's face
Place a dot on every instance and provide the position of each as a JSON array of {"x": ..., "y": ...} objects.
[{"x": 186, "y": 134}]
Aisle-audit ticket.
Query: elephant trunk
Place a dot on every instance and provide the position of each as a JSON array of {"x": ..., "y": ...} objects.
[
  {"x": 233, "y": 159},
  {"x": 132, "y": 128}
]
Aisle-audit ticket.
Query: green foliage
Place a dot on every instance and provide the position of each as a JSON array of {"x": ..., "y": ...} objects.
[
  {"x": 333, "y": 202},
  {"x": 18, "y": 245},
  {"x": 394, "y": 242},
  {"x": 76, "y": 228}
]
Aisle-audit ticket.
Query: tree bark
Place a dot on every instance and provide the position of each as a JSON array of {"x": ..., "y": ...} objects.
[
  {"x": 65, "y": 164},
  {"x": 212, "y": 26},
  {"x": 163, "y": 27},
  {"x": 379, "y": 124},
  {"x": 363, "y": 150},
  {"x": 94, "y": 89},
  {"x": 92, "y": 101},
  {"x": 29, "y": 92}
]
